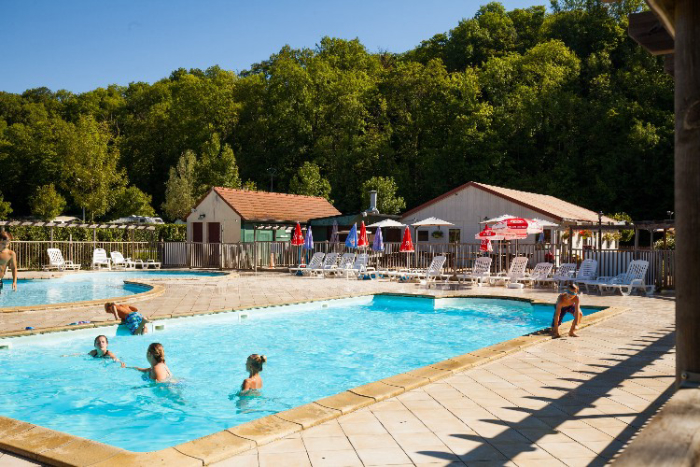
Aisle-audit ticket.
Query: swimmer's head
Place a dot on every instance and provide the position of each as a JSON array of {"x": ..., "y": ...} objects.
[
  {"x": 5, "y": 238},
  {"x": 254, "y": 364},
  {"x": 101, "y": 343},
  {"x": 108, "y": 307},
  {"x": 155, "y": 353},
  {"x": 572, "y": 290}
]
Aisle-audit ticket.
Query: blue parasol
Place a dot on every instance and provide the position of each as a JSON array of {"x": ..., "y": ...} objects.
[
  {"x": 351, "y": 241},
  {"x": 309, "y": 240},
  {"x": 378, "y": 243}
]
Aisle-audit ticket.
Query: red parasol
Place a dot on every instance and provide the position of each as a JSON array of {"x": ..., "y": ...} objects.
[
  {"x": 298, "y": 237},
  {"x": 518, "y": 226},
  {"x": 362, "y": 239},
  {"x": 406, "y": 242}
]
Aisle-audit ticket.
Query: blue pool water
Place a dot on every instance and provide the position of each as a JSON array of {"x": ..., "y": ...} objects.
[
  {"x": 314, "y": 350},
  {"x": 83, "y": 286}
]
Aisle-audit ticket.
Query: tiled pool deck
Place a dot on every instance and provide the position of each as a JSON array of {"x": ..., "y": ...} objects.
[{"x": 562, "y": 402}]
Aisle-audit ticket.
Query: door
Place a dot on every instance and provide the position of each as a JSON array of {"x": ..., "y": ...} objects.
[
  {"x": 214, "y": 244},
  {"x": 197, "y": 236},
  {"x": 213, "y": 232}
]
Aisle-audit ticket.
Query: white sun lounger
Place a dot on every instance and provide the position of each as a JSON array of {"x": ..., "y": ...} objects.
[
  {"x": 430, "y": 274},
  {"x": 314, "y": 263},
  {"x": 119, "y": 262},
  {"x": 539, "y": 273},
  {"x": 100, "y": 259},
  {"x": 329, "y": 262},
  {"x": 587, "y": 273},
  {"x": 480, "y": 273},
  {"x": 626, "y": 282},
  {"x": 147, "y": 264},
  {"x": 57, "y": 262},
  {"x": 514, "y": 274},
  {"x": 359, "y": 269},
  {"x": 346, "y": 262},
  {"x": 563, "y": 275}
]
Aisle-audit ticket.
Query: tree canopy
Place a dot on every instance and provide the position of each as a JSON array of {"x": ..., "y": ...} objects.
[{"x": 559, "y": 102}]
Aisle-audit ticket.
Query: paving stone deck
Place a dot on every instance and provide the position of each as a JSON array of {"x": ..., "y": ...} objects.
[{"x": 571, "y": 401}]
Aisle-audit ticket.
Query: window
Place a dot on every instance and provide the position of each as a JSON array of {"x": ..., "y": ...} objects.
[
  {"x": 422, "y": 235},
  {"x": 455, "y": 236}
]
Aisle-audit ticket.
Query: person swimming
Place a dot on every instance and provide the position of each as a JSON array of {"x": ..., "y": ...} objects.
[
  {"x": 129, "y": 316},
  {"x": 100, "y": 351},
  {"x": 254, "y": 365},
  {"x": 568, "y": 302},
  {"x": 158, "y": 371}
]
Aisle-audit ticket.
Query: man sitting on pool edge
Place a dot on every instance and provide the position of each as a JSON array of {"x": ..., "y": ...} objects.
[{"x": 128, "y": 315}]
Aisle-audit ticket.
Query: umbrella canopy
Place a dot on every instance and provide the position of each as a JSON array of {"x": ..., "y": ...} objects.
[
  {"x": 545, "y": 223},
  {"x": 334, "y": 233},
  {"x": 406, "y": 242},
  {"x": 387, "y": 223},
  {"x": 490, "y": 234},
  {"x": 297, "y": 238},
  {"x": 362, "y": 239},
  {"x": 309, "y": 240},
  {"x": 497, "y": 219},
  {"x": 378, "y": 243},
  {"x": 431, "y": 221},
  {"x": 351, "y": 241},
  {"x": 517, "y": 225}
]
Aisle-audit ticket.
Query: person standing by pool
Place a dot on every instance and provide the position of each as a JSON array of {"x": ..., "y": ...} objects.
[
  {"x": 158, "y": 371},
  {"x": 568, "y": 302},
  {"x": 254, "y": 365},
  {"x": 128, "y": 315},
  {"x": 8, "y": 258},
  {"x": 101, "y": 351}
]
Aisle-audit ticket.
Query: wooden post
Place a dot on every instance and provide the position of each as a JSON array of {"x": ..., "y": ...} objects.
[
  {"x": 255, "y": 250},
  {"x": 651, "y": 239},
  {"x": 687, "y": 188},
  {"x": 636, "y": 241},
  {"x": 571, "y": 245}
]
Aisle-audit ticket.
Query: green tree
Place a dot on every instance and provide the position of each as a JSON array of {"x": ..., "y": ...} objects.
[
  {"x": 5, "y": 208},
  {"x": 387, "y": 200},
  {"x": 180, "y": 188},
  {"x": 216, "y": 167},
  {"x": 91, "y": 168},
  {"x": 131, "y": 201},
  {"x": 308, "y": 181},
  {"x": 47, "y": 203}
]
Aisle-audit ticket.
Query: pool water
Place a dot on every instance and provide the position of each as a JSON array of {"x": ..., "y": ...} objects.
[
  {"x": 314, "y": 351},
  {"x": 83, "y": 286}
]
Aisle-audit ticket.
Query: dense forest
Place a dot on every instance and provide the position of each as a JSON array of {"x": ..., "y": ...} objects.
[{"x": 557, "y": 101}]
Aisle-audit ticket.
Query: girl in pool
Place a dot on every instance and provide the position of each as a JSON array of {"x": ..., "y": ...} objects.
[
  {"x": 568, "y": 302},
  {"x": 254, "y": 365},
  {"x": 158, "y": 371},
  {"x": 128, "y": 315},
  {"x": 101, "y": 350}
]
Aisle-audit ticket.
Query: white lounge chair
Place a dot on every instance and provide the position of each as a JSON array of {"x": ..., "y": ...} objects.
[
  {"x": 57, "y": 262},
  {"x": 329, "y": 262},
  {"x": 480, "y": 273},
  {"x": 430, "y": 274},
  {"x": 119, "y": 262},
  {"x": 359, "y": 269},
  {"x": 514, "y": 274},
  {"x": 346, "y": 262},
  {"x": 587, "y": 272},
  {"x": 100, "y": 259},
  {"x": 628, "y": 281},
  {"x": 563, "y": 275},
  {"x": 539, "y": 273},
  {"x": 314, "y": 263}
]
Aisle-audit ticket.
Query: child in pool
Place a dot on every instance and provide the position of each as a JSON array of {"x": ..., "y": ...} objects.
[
  {"x": 158, "y": 371},
  {"x": 568, "y": 302},
  {"x": 254, "y": 365},
  {"x": 128, "y": 315},
  {"x": 101, "y": 350}
]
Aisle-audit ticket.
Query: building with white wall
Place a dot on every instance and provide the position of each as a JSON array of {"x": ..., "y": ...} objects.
[{"x": 468, "y": 205}]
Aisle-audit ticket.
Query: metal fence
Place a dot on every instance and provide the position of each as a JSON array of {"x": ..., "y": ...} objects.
[{"x": 250, "y": 256}]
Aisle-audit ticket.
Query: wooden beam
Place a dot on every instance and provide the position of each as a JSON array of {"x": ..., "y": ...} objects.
[
  {"x": 687, "y": 186},
  {"x": 666, "y": 12},
  {"x": 648, "y": 31}
]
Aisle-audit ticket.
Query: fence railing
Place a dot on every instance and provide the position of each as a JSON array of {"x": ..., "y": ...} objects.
[{"x": 249, "y": 256}]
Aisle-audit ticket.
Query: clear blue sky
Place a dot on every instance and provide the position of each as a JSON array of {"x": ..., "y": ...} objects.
[{"x": 83, "y": 44}]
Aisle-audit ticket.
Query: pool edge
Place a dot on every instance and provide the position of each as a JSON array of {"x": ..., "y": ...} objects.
[{"x": 29, "y": 440}]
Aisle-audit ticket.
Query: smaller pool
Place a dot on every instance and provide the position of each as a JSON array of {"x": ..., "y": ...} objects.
[{"x": 85, "y": 286}]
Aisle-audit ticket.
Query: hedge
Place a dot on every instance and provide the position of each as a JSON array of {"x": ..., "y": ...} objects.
[{"x": 164, "y": 232}]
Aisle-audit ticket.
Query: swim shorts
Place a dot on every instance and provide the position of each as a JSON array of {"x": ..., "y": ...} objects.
[
  {"x": 564, "y": 310},
  {"x": 133, "y": 321}
]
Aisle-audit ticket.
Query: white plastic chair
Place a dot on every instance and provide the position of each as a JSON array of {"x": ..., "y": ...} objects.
[
  {"x": 314, "y": 263},
  {"x": 563, "y": 275},
  {"x": 587, "y": 273},
  {"x": 481, "y": 272},
  {"x": 539, "y": 273},
  {"x": 119, "y": 262},
  {"x": 57, "y": 262},
  {"x": 514, "y": 274},
  {"x": 100, "y": 259},
  {"x": 627, "y": 282},
  {"x": 346, "y": 262},
  {"x": 329, "y": 262}
]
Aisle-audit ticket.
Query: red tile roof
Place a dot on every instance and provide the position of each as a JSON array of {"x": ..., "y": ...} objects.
[
  {"x": 264, "y": 206},
  {"x": 544, "y": 204}
]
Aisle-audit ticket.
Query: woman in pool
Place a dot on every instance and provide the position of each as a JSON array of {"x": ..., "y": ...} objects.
[
  {"x": 254, "y": 365},
  {"x": 101, "y": 350},
  {"x": 568, "y": 302},
  {"x": 128, "y": 315},
  {"x": 158, "y": 371}
]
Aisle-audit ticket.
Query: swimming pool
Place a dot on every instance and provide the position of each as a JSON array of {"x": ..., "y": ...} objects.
[
  {"x": 84, "y": 286},
  {"x": 314, "y": 350}
]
